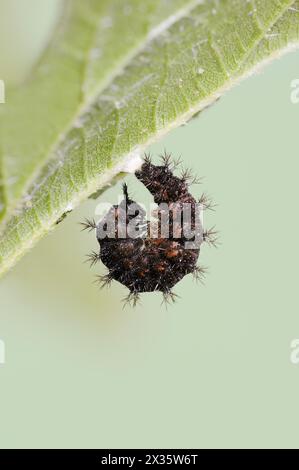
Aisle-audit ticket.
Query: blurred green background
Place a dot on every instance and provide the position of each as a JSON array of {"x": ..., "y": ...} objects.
[{"x": 213, "y": 370}]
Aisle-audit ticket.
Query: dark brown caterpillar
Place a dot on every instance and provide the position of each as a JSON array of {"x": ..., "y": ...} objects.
[{"x": 148, "y": 261}]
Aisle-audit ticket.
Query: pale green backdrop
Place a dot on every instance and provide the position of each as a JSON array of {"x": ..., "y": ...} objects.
[{"x": 214, "y": 370}]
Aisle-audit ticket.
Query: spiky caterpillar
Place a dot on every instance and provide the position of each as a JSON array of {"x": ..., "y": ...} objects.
[{"x": 146, "y": 263}]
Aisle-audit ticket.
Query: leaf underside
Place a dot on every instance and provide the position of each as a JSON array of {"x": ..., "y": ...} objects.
[{"x": 116, "y": 77}]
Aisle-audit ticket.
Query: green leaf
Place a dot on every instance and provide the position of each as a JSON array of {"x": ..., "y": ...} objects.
[{"x": 117, "y": 76}]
